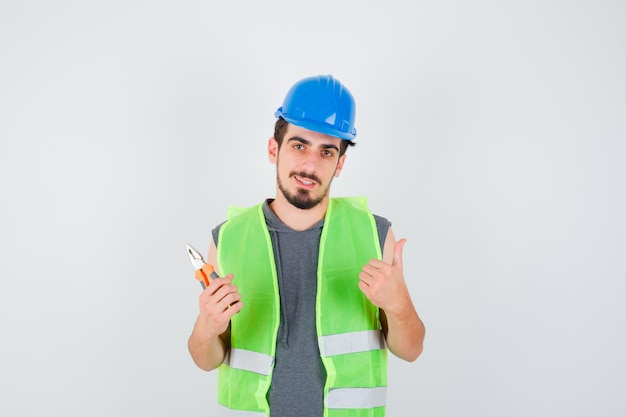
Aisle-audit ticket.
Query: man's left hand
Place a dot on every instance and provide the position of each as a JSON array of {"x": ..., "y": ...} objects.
[{"x": 383, "y": 284}]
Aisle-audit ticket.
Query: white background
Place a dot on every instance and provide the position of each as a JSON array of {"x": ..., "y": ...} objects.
[{"x": 492, "y": 134}]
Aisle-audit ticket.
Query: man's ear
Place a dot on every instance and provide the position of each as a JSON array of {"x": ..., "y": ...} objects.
[
  {"x": 272, "y": 150},
  {"x": 342, "y": 160}
]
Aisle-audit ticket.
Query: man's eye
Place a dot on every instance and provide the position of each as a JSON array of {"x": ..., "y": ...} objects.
[
  {"x": 327, "y": 153},
  {"x": 298, "y": 146}
]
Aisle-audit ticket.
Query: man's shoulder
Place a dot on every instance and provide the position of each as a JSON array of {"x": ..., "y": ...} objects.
[
  {"x": 380, "y": 220},
  {"x": 235, "y": 212}
]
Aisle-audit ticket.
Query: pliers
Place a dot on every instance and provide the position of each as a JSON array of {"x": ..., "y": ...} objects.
[{"x": 204, "y": 271}]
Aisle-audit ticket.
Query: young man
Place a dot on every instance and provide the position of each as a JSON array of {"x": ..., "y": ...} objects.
[{"x": 313, "y": 291}]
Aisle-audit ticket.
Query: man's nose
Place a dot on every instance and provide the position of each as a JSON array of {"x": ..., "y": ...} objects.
[{"x": 310, "y": 163}]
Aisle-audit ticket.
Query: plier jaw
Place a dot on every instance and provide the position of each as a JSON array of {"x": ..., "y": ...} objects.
[
  {"x": 195, "y": 257},
  {"x": 204, "y": 272}
]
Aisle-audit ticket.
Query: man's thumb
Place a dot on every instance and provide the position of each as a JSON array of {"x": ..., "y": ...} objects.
[{"x": 397, "y": 254}]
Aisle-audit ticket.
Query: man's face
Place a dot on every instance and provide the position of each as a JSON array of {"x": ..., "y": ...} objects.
[{"x": 306, "y": 163}]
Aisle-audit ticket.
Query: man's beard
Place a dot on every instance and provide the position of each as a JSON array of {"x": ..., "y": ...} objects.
[{"x": 302, "y": 198}]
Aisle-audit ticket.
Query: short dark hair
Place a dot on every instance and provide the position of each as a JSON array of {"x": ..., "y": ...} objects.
[{"x": 281, "y": 127}]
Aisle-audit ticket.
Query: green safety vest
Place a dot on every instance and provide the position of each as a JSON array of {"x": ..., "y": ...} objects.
[{"x": 349, "y": 332}]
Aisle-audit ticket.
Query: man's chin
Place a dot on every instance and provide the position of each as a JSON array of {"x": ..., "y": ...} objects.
[
  {"x": 304, "y": 204},
  {"x": 303, "y": 201},
  {"x": 301, "y": 198}
]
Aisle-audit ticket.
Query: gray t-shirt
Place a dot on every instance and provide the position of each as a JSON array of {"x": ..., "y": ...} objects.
[{"x": 298, "y": 377}]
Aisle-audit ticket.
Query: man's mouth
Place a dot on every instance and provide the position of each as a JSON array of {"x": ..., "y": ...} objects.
[{"x": 304, "y": 180}]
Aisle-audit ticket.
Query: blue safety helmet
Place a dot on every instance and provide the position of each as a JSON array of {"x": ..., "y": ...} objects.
[{"x": 321, "y": 104}]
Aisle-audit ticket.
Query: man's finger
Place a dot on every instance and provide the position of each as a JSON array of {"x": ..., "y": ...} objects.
[{"x": 397, "y": 254}]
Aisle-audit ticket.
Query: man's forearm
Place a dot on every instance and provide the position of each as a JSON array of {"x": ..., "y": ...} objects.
[
  {"x": 207, "y": 354},
  {"x": 404, "y": 333}
]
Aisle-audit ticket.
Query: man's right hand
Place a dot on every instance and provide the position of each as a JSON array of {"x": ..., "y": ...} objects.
[
  {"x": 219, "y": 302},
  {"x": 210, "y": 340}
]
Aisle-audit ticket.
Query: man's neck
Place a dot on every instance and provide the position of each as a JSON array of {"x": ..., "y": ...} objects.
[{"x": 295, "y": 218}]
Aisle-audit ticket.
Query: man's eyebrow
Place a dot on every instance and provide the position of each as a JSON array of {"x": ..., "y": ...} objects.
[
  {"x": 330, "y": 146},
  {"x": 299, "y": 139},
  {"x": 306, "y": 142}
]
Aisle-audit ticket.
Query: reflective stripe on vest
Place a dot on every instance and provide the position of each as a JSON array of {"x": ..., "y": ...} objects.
[
  {"x": 341, "y": 398},
  {"x": 248, "y": 360},
  {"x": 339, "y": 344}
]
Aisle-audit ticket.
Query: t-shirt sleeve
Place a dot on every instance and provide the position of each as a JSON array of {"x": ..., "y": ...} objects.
[
  {"x": 383, "y": 225},
  {"x": 216, "y": 232}
]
